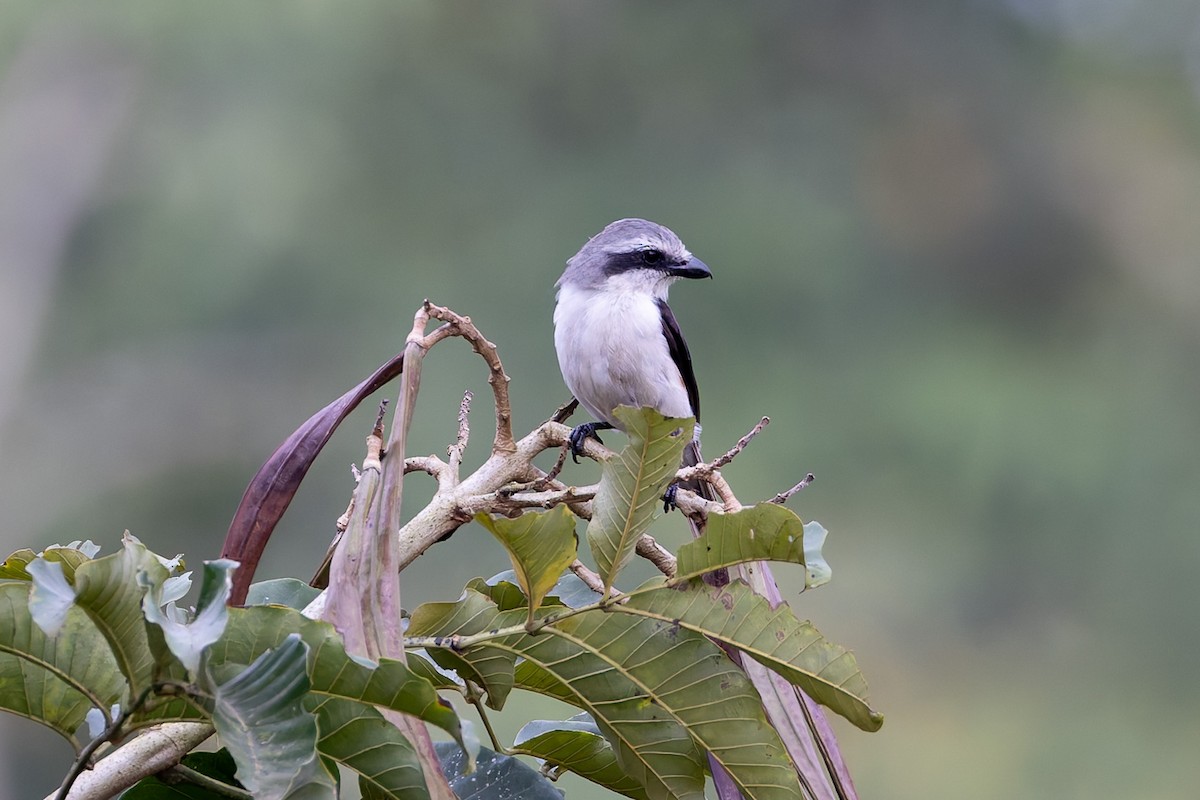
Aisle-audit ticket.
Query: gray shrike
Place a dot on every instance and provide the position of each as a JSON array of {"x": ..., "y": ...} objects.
[{"x": 618, "y": 342}]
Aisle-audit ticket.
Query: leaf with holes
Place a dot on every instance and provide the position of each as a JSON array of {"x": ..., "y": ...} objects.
[{"x": 765, "y": 532}]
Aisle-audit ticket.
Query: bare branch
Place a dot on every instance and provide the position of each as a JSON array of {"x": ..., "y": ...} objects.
[
  {"x": 590, "y": 579},
  {"x": 782, "y": 497},
  {"x": 565, "y": 411},
  {"x": 462, "y": 326},
  {"x": 656, "y": 554},
  {"x": 456, "y": 450}
]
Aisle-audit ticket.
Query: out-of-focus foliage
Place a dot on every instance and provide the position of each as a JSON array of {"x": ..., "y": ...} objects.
[{"x": 956, "y": 259}]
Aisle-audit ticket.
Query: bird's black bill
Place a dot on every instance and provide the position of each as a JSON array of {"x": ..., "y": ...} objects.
[{"x": 692, "y": 269}]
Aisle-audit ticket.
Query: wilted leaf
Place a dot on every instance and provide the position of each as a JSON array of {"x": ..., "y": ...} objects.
[
  {"x": 495, "y": 776},
  {"x": 576, "y": 744},
  {"x": 54, "y": 680},
  {"x": 734, "y": 615},
  {"x": 540, "y": 544},
  {"x": 816, "y": 569},
  {"x": 272, "y": 488},
  {"x": 632, "y": 485},
  {"x": 186, "y": 640},
  {"x": 50, "y": 596},
  {"x": 765, "y": 532}
]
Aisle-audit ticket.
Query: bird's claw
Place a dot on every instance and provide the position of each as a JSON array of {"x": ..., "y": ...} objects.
[
  {"x": 668, "y": 498},
  {"x": 580, "y": 434}
]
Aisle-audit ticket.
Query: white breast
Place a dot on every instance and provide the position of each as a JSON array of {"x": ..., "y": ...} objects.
[{"x": 612, "y": 352}]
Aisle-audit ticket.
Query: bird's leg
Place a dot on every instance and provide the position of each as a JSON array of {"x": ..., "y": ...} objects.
[
  {"x": 580, "y": 433},
  {"x": 668, "y": 498}
]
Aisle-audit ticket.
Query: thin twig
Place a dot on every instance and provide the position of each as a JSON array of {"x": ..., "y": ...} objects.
[
  {"x": 456, "y": 450},
  {"x": 782, "y": 497},
  {"x": 110, "y": 733},
  {"x": 198, "y": 778},
  {"x": 472, "y": 696},
  {"x": 565, "y": 411},
  {"x": 497, "y": 378}
]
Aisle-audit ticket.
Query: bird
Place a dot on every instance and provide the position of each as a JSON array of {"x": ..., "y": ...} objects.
[{"x": 617, "y": 340}]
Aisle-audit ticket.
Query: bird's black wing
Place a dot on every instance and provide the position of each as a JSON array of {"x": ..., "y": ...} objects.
[{"x": 680, "y": 355}]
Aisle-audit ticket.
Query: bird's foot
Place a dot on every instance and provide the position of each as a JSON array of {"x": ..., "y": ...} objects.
[
  {"x": 668, "y": 498},
  {"x": 580, "y": 434}
]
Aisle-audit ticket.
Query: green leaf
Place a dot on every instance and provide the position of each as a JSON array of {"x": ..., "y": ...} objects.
[
  {"x": 816, "y": 569},
  {"x": 495, "y": 776},
  {"x": 489, "y": 667},
  {"x": 765, "y": 532},
  {"x": 70, "y": 556},
  {"x": 358, "y": 736},
  {"x": 540, "y": 544},
  {"x": 632, "y": 485},
  {"x": 187, "y": 640},
  {"x": 107, "y": 590},
  {"x": 50, "y": 597},
  {"x": 261, "y": 719},
  {"x": 576, "y": 744},
  {"x": 288, "y": 592},
  {"x": 420, "y": 664},
  {"x": 389, "y": 684},
  {"x": 54, "y": 680},
  {"x": 504, "y": 593},
  {"x": 644, "y": 682},
  {"x": 734, "y": 615}
]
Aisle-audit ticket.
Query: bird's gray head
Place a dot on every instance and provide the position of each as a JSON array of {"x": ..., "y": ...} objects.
[{"x": 635, "y": 255}]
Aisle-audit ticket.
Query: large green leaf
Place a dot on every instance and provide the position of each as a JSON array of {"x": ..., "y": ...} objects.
[
  {"x": 540, "y": 544},
  {"x": 765, "y": 532},
  {"x": 734, "y": 615},
  {"x": 53, "y": 680},
  {"x": 632, "y": 484},
  {"x": 358, "y": 736},
  {"x": 389, "y": 684},
  {"x": 495, "y": 776},
  {"x": 578, "y": 745},
  {"x": 107, "y": 589},
  {"x": 260, "y": 716},
  {"x": 659, "y": 692},
  {"x": 489, "y": 667},
  {"x": 634, "y": 674}
]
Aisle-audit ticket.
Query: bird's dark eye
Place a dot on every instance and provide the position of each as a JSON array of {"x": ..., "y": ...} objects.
[{"x": 652, "y": 258}]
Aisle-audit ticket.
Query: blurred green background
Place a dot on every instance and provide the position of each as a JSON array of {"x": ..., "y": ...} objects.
[{"x": 955, "y": 248}]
